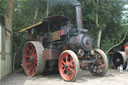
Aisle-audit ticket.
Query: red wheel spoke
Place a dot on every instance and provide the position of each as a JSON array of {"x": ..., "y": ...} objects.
[
  {"x": 66, "y": 58},
  {"x": 35, "y": 62},
  {"x": 30, "y": 69},
  {"x": 34, "y": 65},
  {"x": 67, "y": 74},
  {"x": 64, "y": 69},
  {"x": 29, "y": 50},
  {"x": 27, "y": 56},
  {"x": 103, "y": 65},
  {"x": 33, "y": 71},
  {"x": 35, "y": 58},
  {"x": 99, "y": 62},
  {"x": 73, "y": 71},
  {"x": 71, "y": 61},
  {"x": 99, "y": 56},
  {"x": 34, "y": 68},
  {"x": 63, "y": 62},
  {"x": 73, "y": 66},
  {"x": 34, "y": 54},
  {"x": 28, "y": 63}
]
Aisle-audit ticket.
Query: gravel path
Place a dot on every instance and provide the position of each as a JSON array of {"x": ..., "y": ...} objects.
[{"x": 113, "y": 77}]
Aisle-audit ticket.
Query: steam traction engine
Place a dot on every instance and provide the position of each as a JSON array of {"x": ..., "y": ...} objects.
[
  {"x": 55, "y": 42},
  {"x": 120, "y": 57}
]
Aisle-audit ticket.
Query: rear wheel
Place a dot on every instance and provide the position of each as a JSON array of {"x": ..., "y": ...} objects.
[
  {"x": 100, "y": 67},
  {"x": 33, "y": 60},
  {"x": 68, "y": 65}
]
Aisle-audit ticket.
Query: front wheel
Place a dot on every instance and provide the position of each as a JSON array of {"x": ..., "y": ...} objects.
[
  {"x": 100, "y": 66},
  {"x": 68, "y": 65}
]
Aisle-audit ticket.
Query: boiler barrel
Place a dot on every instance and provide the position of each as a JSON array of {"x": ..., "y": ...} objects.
[{"x": 119, "y": 58}]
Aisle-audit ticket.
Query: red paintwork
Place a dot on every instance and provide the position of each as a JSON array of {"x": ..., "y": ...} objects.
[
  {"x": 62, "y": 32},
  {"x": 30, "y": 66},
  {"x": 110, "y": 53},
  {"x": 70, "y": 66},
  {"x": 125, "y": 46},
  {"x": 100, "y": 62}
]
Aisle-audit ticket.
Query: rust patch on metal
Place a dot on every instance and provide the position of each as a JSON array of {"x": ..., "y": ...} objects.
[
  {"x": 55, "y": 35},
  {"x": 50, "y": 54}
]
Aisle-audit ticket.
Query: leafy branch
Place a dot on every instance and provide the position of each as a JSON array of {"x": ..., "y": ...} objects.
[{"x": 117, "y": 43}]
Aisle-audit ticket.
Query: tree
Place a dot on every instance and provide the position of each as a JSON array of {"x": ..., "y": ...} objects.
[
  {"x": 9, "y": 15},
  {"x": 103, "y": 19}
]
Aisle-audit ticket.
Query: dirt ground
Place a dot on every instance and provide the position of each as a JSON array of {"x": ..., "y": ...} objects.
[{"x": 113, "y": 77}]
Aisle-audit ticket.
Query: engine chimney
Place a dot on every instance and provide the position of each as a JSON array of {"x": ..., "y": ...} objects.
[{"x": 79, "y": 17}]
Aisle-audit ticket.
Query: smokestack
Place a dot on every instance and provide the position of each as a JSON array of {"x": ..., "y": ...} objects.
[
  {"x": 75, "y": 3},
  {"x": 79, "y": 17}
]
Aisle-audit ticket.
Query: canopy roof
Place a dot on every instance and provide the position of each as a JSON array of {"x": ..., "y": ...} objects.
[{"x": 53, "y": 20}]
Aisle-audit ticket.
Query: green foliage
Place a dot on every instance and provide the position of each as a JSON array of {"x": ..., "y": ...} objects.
[
  {"x": 3, "y": 6},
  {"x": 18, "y": 40},
  {"x": 25, "y": 15},
  {"x": 109, "y": 17}
]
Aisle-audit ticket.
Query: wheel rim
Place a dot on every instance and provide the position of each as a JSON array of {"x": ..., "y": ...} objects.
[
  {"x": 30, "y": 59},
  {"x": 99, "y": 67},
  {"x": 67, "y": 66}
]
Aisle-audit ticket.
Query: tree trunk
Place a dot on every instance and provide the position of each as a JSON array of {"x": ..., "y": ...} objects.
[
  {"x": 97, "y": 16},
  {"x": 36, "y": 13},
  {"x": 48, "y": 9},
  {"x": 9, "y": 15},
  {"x": 99, "y": 38},
  {"x": 97, "y": 24},
  {"x": 8, "y": 26}
]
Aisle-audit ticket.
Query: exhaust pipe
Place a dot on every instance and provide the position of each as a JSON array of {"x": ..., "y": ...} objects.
[
  {"x": 119, "y": 58},
  {"x": 79, "y": 17}
]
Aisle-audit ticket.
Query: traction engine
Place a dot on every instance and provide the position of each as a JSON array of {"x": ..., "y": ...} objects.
[{"x": 55, "y": 43}]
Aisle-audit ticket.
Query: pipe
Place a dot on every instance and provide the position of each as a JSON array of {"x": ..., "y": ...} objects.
[
  {"x": 79, "y": 17},
  {"x": 119, "y": 58}
]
